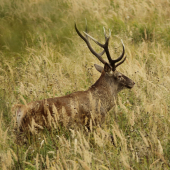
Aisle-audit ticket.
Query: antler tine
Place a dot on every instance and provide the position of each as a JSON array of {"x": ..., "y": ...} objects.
[
  {"x": 123, "y": 52},
  {"x": 101, "y": 45},
  {"x": 105, "y": 33},
  {"x": 89, "y": 46},
  {"x": 120, "y": 62},
  {"x": 87, "y": 35},
  {"x": 105, "y": 46}
]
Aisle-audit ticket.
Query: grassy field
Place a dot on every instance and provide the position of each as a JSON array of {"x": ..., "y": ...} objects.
[{"x": 41, "y": 56}]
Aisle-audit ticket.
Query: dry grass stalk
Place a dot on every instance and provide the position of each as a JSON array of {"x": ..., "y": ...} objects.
[
  {"x": 46, "y": 71},
  {"x": 47, "y": 162},
  {"x": 144, "y": 139},
  {"x": 83, "y": 164},
  {"x": 28, "y": 163},
  {"x": 37, "y": 161},
  {"x": 74, "y": 107}
]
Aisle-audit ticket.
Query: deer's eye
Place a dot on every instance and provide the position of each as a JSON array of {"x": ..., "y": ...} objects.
[{"x": 120, "y": 77}]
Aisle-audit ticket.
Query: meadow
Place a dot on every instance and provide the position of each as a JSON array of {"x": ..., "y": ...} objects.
[{"x": 41, "y": 56}]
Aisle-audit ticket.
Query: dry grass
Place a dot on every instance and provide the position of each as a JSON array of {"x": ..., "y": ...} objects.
[{"x": 139, "y": 123}]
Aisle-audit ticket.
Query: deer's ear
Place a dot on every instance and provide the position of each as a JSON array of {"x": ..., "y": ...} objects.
[
  {"x": 98, "y": 68},
  {"x": 107, "y": 68}
]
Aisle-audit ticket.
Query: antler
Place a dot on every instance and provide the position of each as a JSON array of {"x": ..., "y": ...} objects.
[
  {"x": 105, "y": 47},
  {"x": 98, "y": 55}
]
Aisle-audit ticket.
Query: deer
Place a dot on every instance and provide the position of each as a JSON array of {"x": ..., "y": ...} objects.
[{"x": 81, "y": 106}]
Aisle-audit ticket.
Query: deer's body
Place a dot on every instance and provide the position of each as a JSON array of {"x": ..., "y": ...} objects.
[{"x": 78, "y": 107}]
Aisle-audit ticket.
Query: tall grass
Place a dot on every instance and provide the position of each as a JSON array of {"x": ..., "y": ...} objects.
[{"x": 42, "y": 56}]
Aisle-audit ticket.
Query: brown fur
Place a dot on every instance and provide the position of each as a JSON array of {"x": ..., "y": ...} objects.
[
  {"x": 78, "y": 107},
  {"x": 82, "y": 106}
]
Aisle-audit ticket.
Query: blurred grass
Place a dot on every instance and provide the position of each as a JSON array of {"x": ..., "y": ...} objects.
[
  {"x": 42, "y": 56},
  {"x": 23, "y": 23}
]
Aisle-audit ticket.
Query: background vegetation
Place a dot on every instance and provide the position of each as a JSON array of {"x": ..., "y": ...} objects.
[{"x": 41, "y": 56}]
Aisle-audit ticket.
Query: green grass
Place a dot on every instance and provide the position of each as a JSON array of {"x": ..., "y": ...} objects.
[{"x": 41, "y": 56}]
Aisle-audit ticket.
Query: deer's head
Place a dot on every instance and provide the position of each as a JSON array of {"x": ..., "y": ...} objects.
[{"x": 109, "y": 71}]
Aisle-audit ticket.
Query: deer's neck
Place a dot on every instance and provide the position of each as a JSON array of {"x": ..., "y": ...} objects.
[{"x": 105, "y": 90}]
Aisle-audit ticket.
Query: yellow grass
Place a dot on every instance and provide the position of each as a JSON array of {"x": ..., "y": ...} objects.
[{"x": 140, "y": 121}]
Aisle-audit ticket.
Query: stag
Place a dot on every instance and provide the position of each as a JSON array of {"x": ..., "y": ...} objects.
[{"x": 79, "y": 107}]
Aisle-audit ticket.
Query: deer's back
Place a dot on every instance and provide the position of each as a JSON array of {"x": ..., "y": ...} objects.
[{"x": 78, "y": 107}]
